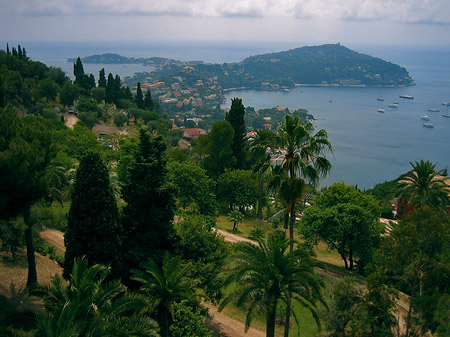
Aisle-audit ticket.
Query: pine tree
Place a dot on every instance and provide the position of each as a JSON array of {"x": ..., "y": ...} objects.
[
  {"x": 101, "y": 78},
  {"x": 236, "y": 118},
  {"x": 139, "y": 97},
  {"x": 147, "y": 218},
  {"x": 94, "y": 228}
]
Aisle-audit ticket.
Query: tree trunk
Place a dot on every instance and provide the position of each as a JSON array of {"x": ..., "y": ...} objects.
[
  {"x": 270, "y": 319},
  {"x": 32, "y": 273},
  {"x": 287, "y": 324},
  {"x": 163, "y": 321},
  {"x": 291, "y": 229},
  {"x": 350, "y": 258},
  {"x": 260, "y": 197}
]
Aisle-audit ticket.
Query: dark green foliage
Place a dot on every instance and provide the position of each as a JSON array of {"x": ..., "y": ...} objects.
[
  {"x": 358, "y": 311},
  {"x": 346, "y": 219},
  {"x": 68, "y": 94},
  {"x": 101, "y": 78},
  {"x": 166, "y": 285},
  {"x": 120, "y": 119},
  {"x": 149, "y": 103},
  {"x": 139, "y": 99},
  {"x": 11, "y": 235},
  {"x": 215, "y": 148},
  {"x": 91, "y": 306},
  {"x": 414, "y": 259},
  {"x": 26, "y": 148},
  {"x": 188, "y": 321},
  {"x": 93, "y": 227},
  {"x": 77, "y": 141},
  {"x": 205, "y": 249},
  {"x": 263, "y": 275},
  {"x": 236, "y": 118},
  {"x": 47, "y": 88},
  {"x": 193, "y": 186},
  {"x": 238, "y": 188},
  {"x": 148, "y": 215}
]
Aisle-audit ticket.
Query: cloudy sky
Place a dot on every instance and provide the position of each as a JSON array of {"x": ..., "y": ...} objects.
[{"x": 302, "y": 21}]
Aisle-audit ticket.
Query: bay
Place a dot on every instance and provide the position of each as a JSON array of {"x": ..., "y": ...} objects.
[{"x": 373, "y": 147}]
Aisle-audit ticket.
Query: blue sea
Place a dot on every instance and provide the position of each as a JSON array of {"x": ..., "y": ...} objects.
[{"x": 369, "y": 147}]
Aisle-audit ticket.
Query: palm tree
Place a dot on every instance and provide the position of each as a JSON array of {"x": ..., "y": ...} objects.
[
  {"x": 166, "y": 285},
  {"x": 90, "y": 306},
  {"x": 235, "y": 217},
  {"x": 423, "y": 185},
  {"x": 298, "y": 158},
  {"x": 263, "y": 275}
]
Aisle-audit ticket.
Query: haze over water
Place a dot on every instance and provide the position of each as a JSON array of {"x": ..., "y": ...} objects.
[{"x": 370, "y": 147}]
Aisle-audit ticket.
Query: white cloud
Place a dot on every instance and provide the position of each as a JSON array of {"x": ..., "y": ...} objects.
[{"x": 405, "y": 11}]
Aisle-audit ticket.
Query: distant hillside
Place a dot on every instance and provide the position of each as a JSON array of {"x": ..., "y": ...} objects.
[
  {"x": 111, "y": 58},
  {"x": 330, "y": 64},
  {"x": 326, "y": 65}
]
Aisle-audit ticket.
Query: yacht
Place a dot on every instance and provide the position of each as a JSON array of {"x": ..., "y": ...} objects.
[
  {"x": 433, "y": 110},
  {"x": 406, "y": 96},
  {"x": 428, "y": 125},
  {"x": 446, "y": 115},
  {"x": 393, "y": 105},
  {"x": 425, "y": 117},
  {"x": 380, "y": 110}
]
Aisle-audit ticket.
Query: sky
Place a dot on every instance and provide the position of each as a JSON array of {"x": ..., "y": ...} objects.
[{"x": 387, "y": 22}]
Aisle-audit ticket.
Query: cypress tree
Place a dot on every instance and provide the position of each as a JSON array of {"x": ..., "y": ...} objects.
[
  {"x": 148, "y": 215},
  {"x": 148, "y": 101},
  {"x": 109, "y": 90},
  {"x": 14, "y": 51},
  {"x": 7, "y": 49},
  {"x": 78, "y": 70},
  {"x": 139, "y": 97},
  {"x": 101, "y": 78},
  {"x": 236, "y": 118},
  {"x": 94, "y": 228},
  {"x": 19, "y": 51},
  {"x": 24, "y": 53}
]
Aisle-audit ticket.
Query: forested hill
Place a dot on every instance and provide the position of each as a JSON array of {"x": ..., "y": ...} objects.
[
  {"x": 326, "y": 65},
  {"x": 330, "y": 64}
]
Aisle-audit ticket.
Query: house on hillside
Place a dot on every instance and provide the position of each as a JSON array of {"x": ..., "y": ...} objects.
[{"x": 193, "y": 133}]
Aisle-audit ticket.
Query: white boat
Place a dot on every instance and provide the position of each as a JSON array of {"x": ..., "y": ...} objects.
[
  {"x": 380, "y": 110},
  {"x": 446, "y": 115},
  {"x": 380, "y": 98},
  {"x": 446, "y": 103},
  {"x": 425, "y": 117},
  {"x": 428, "y": 125},
  {"x": 406, "y": 96},
  {"x": 433, "y": 110},
  {"x": 393, "y": 105}
]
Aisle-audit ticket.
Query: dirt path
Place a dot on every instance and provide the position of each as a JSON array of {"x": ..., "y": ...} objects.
[
  {"x": 223, "y": 325},
  {"x": 70, "y": 120}
]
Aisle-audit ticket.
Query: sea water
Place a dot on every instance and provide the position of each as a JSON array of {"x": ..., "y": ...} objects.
[{"x": 369, "y": 147}]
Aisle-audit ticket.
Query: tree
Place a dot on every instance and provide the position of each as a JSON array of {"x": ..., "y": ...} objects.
[
  {"x": 68, "y": 94},
  {"x": 236, "y": 118},
  {"x": 235, "y": 217},
  {"x": 148, "y": 215},
  {"x": 166, "y": 285},
  {"x": 423, "y": 185},
  {"x": 188, "y": 321},
  {"x": 139, "y": 99},
  {"x": 47, "y": 88},
  {"x": 205, "y": 249},
  {"x": 414, "y": 259},
  {"x": 91, "y": 306},
  {"x": 193, "y": 186},
  {"x": 238, "y": 188},
  {"x": 346, "y": 220},
  {"x": 264, "y": 275},
  {"x": 101, "y": 78},
  {"x": 93, "y": 227},
  {"x": 26, "y": 149},
  {"x": 215, "y": 148},
  {"x": 149, "y": 103},
  {"x": 299, "y": 158}
]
